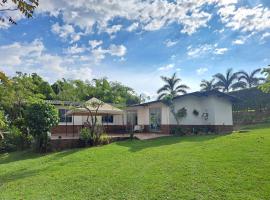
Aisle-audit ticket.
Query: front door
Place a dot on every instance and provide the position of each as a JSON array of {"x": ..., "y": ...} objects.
[{"x": 155, "y": 119}]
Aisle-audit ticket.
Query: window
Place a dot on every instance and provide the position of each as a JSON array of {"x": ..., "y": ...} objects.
[
  {"x": 107, "y": 119},
  {"x": 63, "y": 117}
]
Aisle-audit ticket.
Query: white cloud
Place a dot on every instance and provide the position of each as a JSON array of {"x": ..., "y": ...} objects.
[
  {"x": 66, "y": 31},
  {"x": 32, "y": 57},
  {"x": 220, "y": 51},
  {"x": 265, "y": 35},
  {"x": 201, "y": 70},
  {"x": 75, "y": 49},
  {"x": 113, "y": 29},
  {"x": 166, "y": 67},
  {"x": 205, "y": 49},
  {"x": 245, "y": 19},
  {"x": 95, "y": 43},
  {"x": 113, "y": 50},
  {"x": 133, "y": 27},
  {"x": 238, "y": 41},
  {"x": 149, "y": 15},
  {"x": 170, "y": 43}
]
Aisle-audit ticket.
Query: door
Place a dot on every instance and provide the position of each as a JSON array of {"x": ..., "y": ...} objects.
[{"x": 155, "y": 119}]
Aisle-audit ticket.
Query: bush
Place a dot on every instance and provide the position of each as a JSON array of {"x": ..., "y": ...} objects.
[
  {"x": 85, "y": 135},
  {"x": 104, "y": 139},
  {"x": 179, "y": 131},
  {"x": 41, "y": 117},
  {"x": 15, "y": 140}
]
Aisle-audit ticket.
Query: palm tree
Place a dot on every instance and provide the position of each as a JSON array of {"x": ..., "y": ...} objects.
[
  {"x": 208, "y": 85},
  {"x": 250, "y": 79},
  {"x": 229, "y": 81},
  {"x": 171, "y": 87}
]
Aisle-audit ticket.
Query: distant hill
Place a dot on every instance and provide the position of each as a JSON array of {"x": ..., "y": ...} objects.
[{"x": 251, "y": 98}]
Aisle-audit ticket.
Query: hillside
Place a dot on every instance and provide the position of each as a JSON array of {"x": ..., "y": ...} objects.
[
  {"x": 251, "y": 98},
  {"x": 235, "y": 166}
]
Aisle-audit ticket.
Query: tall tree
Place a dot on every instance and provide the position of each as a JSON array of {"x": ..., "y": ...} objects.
[
  {"x": 172, "y": 87},
  {"x": 208, "y": 85},
  {"x": 251, "y": 79},
  {"x": 229, "y": 81}
]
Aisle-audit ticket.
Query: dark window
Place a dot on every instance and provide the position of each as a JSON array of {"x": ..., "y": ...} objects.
[
  {"x": 63, "y": 117},
  {"x": 107, "y": 119}
]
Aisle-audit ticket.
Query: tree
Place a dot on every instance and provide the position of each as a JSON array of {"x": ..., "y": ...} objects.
[
  {"x": 208, "y": 85},
  {"x": 25, "y": 7},
  {"x": 250, "y": 79},
  {"x": 3, "y": 78},
  {"x": 171, "y": 87},
  {"x": 229, "y": 81},
  {"x": 92, "y": 108},
  {"x": 266, "y": 86},
  {"x": 16, "y": 95},
  {"x": 2, "y": 124},
  {"x": 40, "y": 118}
]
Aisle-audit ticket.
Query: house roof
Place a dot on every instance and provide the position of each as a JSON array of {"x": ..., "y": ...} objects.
[
  {"x": 197, "y": 94},
  {"x": 104, "y": 108}
]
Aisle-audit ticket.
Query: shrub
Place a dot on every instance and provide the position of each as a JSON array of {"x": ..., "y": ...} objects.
[
  {"x": 104, "y": 139},
  {"x": 179, "y": 131},
  {"x": 41, "y": 117},
  {"x": 85, "y": 135},
  {"x": 15, "y": 140}
]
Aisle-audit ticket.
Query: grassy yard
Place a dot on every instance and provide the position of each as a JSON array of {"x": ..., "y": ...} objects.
[{"x": 235, "y": 166}]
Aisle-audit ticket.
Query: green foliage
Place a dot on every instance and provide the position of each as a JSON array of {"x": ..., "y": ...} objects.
[
  {"x": 25, "y": 7},
  {"x": 179, "y": 131},
  {"x": 228, "y": 81},
  {"x": 171, "y": 87},
  {"x": 181, "y": 113},
  {"x": 208, "y": 85},
  {"x": 14, "y": 140},
  {"x": 3, "y": 122},
  {"x": 40, "y": 118},
  {"x": 266, "y": 86},
  {"x": 85, "y": 135}
]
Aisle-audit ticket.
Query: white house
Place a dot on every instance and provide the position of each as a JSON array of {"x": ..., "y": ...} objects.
[{"x": 211, "y": 111}]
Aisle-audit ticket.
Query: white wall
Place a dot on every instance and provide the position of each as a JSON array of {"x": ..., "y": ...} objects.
[{"x": 219, "y": 110}]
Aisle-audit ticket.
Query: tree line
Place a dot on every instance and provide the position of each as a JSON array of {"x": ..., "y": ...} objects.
[{"x": 227, "y": 82}]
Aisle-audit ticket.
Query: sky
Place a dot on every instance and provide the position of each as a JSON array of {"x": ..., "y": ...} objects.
[{"x": 137, "y": 41}]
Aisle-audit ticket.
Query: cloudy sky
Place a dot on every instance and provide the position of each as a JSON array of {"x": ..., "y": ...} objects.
[{"x": 137, "y": 41}]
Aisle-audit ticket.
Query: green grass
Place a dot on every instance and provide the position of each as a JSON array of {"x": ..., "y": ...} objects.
[{"x": 235, "y": 166}]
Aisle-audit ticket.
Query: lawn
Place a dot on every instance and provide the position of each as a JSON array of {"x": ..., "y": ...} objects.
[{"x": 234, "y": 166}]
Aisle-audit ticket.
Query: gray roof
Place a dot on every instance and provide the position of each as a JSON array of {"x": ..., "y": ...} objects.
[{"x": 197, "y": 94}]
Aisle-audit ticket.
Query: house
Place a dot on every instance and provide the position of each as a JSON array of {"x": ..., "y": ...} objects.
[
  {"x": 72, "y": 118},
  {"x": 210, "y": 111}
]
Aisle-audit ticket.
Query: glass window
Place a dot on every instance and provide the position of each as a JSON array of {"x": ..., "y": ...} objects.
[
  {"x": 63, "y": 117},
  {"x": 107, "y": 119}
]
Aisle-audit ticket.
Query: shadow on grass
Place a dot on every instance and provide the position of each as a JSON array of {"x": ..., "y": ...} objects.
[
  {"x": 6, "y": 158},
  {"x": 138, "y": 145}
]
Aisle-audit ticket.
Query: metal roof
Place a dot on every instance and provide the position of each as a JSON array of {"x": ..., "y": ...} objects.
[{"x": 197, "y": 94}]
